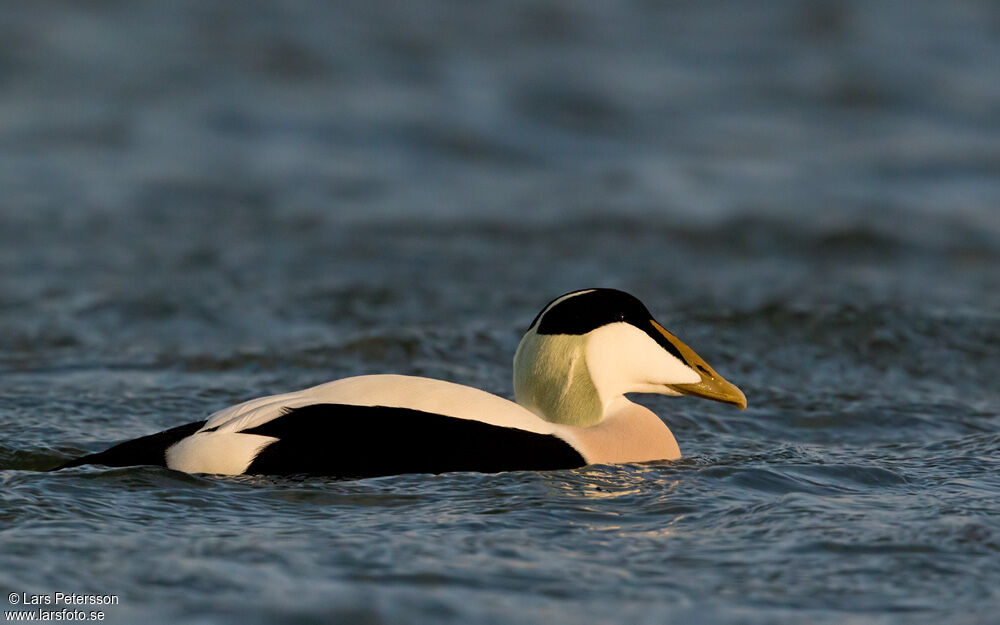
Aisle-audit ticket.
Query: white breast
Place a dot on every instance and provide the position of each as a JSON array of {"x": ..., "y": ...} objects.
[{"x": 630, "y": 433}]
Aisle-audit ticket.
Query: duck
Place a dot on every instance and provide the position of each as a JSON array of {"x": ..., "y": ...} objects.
[{"x": 582, "y": 354}]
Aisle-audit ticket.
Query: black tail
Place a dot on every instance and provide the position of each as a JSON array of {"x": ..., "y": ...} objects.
[{"x": 150, "y": 449}]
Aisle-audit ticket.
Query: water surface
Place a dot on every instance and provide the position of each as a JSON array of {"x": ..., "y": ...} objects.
[{"x": 202, "y": 203}]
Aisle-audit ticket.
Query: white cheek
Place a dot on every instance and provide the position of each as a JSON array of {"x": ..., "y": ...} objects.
[{"x": 624, "y": 359}]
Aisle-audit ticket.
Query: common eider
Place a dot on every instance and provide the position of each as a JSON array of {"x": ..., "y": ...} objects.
[{"x": 579, "y": 357}]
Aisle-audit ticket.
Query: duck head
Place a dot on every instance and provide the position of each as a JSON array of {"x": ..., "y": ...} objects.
[{"x": 586, "y": 349}]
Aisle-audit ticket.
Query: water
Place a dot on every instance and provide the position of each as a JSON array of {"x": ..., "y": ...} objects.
[{"x": 202, "y": 203}]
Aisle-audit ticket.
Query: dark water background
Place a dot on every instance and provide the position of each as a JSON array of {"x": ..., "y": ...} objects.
[{"x": 203, "y": 202}]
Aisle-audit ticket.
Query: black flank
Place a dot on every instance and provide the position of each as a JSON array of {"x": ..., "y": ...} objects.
[
  {"x": 367, "y": 441},
  {"x": 150, "y": 449}
]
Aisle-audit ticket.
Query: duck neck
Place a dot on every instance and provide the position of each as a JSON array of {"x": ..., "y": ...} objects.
[{"x": 552, "y": 379}]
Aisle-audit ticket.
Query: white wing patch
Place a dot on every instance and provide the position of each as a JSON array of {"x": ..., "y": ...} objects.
[{"x": 394, "y": 391}]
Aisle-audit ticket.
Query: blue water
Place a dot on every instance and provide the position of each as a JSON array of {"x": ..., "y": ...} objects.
[{"x": 204, "y": 202}]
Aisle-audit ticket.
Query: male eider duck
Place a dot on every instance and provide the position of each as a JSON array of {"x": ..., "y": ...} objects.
[{"x": 572, "y": 369}]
